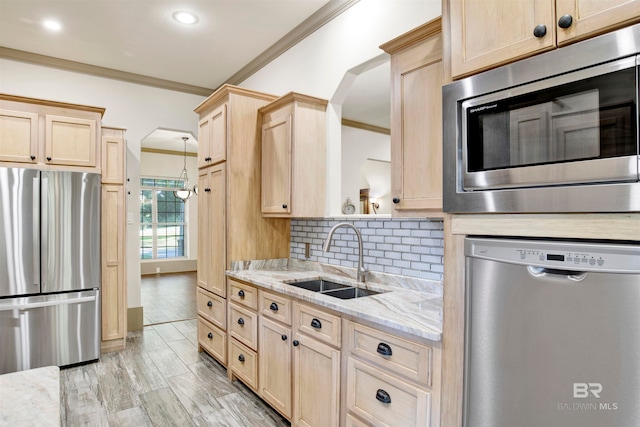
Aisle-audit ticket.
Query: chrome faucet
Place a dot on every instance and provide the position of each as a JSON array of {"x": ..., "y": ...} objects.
[{"x": 362, "y": 272}]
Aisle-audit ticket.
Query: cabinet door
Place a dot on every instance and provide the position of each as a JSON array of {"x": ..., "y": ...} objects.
[
  {"x": 212, "y": 256},
  {"x": 18, "y": 136},
  {"x": 416, "y": 133},
  {"x": 276, "y": 165},
  {"x": 275, "y": 365},
  {"x": 592, "y": 17},
  {"x": 113, "y": 289},
  {"x": 70, "y": 141},
  {"x": 488, "y": 33},
  {"x": 212, "y": 133},
  {"x": 316, "y": 383},
  {"x": 112, "y": 160}
]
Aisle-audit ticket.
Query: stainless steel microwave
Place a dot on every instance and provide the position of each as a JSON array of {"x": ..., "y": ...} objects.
[{"x": 554, "y": 133}]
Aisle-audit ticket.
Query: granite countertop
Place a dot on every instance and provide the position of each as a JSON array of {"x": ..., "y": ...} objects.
[
  {"x": 30, "y": 398},
  {"x": 408, "y": 305}
]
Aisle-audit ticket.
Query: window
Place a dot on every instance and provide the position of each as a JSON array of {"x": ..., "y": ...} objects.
[{"x": 162, "y": 219}]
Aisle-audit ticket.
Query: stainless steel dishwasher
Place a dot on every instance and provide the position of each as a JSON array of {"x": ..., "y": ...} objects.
[{"x": 552, "y": 333}]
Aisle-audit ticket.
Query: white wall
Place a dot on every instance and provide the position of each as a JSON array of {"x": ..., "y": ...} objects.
[
  {"x": 358, "y": 145},
  {"x": 139, "y": 109},
  {"x": 317, "y": 65},
  {"x": 156, "y": 165}
]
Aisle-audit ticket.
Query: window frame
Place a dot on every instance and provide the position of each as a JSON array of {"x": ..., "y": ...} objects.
[{"x": 154, "y": 224}]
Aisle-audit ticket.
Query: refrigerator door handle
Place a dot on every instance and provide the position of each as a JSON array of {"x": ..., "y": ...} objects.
[
  {"x": 36, "y": 230},
  {"x": 50, "y": 303},
  {"x": 44, "y": 228}
]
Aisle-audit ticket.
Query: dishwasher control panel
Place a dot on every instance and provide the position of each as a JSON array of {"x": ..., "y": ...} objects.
[{"x": 566, "y": 255}]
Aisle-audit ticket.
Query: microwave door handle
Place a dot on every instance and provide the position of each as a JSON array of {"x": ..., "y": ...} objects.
[{"x": 35, "y": 230}]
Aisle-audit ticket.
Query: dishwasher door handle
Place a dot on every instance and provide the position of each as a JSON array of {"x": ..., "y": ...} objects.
[{"x": 574, "y": 276}]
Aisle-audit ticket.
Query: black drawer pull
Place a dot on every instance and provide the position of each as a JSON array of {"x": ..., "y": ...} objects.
[
  {"x": 241, "y": 294},
  {"x": 207, "y": 190},
  {"x": 49, "y": 158},
  {"x": 383, "y": 396},
  {"x": 315, "y": 323},
  {"x": 540, "y": 31},
  {"x": 33, "y": 157},
  {"x": 241, "y": 321},
  {"x": 241, "y": 358},
  {"x": 284, "y": 337},
  {"x": 296, "y": 343},
  {"x": 396, "y": 200},
  {"x": 384, "y": 349},
  {"x": 284, "y": 206},
  {"x": 209, "y": 304},
  {"x": 273, "y": 306},
  {"x": 210, "y": 335}
]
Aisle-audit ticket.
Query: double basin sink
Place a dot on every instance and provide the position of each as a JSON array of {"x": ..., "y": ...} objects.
[{"x": 333, "y": 289}]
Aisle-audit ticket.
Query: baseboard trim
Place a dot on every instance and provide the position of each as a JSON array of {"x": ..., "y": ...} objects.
[
  {"x": 135, "y": 319},
  {"x": 112, "y": 345}
]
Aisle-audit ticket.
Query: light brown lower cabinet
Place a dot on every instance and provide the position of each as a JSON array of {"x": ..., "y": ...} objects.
[
  {"x": 275, "y": 365},
  {"x": 319, "y": 369},
  {"x": 316, "y": 383}
]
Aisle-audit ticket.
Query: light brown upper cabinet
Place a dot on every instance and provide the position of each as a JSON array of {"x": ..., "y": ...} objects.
[
  {"x": 416, "y": 121},
  {"x": 212, "y": 137},
  {"x": 47, "y": 132},
  {"x": 293, "y": 156},
  {"x": 486, "y": 34}
]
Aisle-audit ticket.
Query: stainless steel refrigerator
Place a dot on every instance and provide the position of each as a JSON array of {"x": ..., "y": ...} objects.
[{"x": 49, "y": 268}]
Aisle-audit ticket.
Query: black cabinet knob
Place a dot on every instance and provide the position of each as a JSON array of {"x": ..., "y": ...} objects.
[
  {"x": 241, "y": 294},
  {"x": 33, "y": 157},
  {"x": 384, "y": 349},
  {"x": 241, "y": 321},
  {"x": 241, "y": 358},
  {"x": 207, "y": 190},
  {"x": 49, "y": 158},
  {"x": 273, "y": 306},
  {"x": 540, "y": 31},
  {"x": 296, "y": 343},
  {"x": 315, "y": 323},
  {"x": 284, "y": 206},
  {"x": 209, "y": 304},
  {"x": 396, "y": 200},
  {"x": 207, "y": 159},
  {"x": 284, "y": 337},
  {"x": 210, "y": 335},
  {"x": 565, "y": 21},
  {"x": 383, "y": 396}
]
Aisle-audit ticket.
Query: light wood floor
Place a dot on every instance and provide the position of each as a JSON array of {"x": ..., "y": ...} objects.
[
  {"x": 168, "y": 297},
  {"x": 160, "y": 379}
]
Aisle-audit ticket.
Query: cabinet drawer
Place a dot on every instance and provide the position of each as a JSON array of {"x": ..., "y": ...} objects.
[
  {"x": 354, "y": 422},
  {"x": 243, "y": 325},
  {"x": 385, "y": 400},
  {"x": 243, "y": 294},
  {"x": 244, "y": 363},
  {"x": 213, "y": 340},
  {"x": 212, "y": 307},
  {"x": 318, "y": 324},
  {"x": 394, "y": 354},
  {"x": 276, "y": 307}
]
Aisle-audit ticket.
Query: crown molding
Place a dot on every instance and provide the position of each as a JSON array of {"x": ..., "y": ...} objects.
[
  {"x": 365, "y": 126},
  {"x": 322, "y": 16},
  {"x": 94, "y": 70}
]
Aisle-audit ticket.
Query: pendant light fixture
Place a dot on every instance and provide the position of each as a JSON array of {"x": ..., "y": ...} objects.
[{"x": 185, "y": 192}]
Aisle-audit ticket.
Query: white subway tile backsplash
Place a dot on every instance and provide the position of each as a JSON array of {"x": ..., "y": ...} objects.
[{"x": 408, "y": 247}]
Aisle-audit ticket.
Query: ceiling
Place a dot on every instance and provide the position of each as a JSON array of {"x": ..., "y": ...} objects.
[
  {"x": 141, "y": 37},
  {"x": 139, "y": 41}
]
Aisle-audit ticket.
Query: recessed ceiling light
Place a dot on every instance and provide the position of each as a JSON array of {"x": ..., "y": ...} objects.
[
  {"x": 52, "y": 25},
  {"x": 185, "y": 17}
]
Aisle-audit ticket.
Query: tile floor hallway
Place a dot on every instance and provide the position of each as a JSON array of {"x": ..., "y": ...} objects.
[{"x": 160, "y": 379}]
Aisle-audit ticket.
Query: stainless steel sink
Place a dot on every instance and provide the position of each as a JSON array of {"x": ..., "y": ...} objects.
[{"x": 333, "y": 289}]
